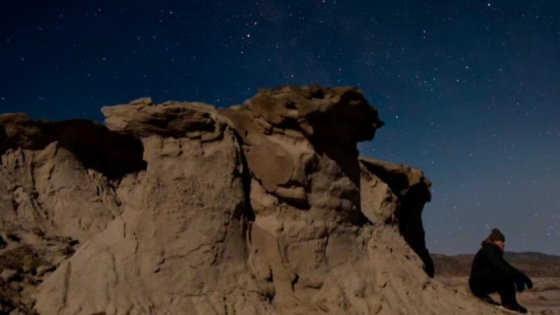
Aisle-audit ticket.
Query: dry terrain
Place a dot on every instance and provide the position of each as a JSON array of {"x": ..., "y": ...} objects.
[{"x": 543, "y": 269}]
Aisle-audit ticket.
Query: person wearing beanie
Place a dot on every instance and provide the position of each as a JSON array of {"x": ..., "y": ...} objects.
[{"x": 491, "y": 273}]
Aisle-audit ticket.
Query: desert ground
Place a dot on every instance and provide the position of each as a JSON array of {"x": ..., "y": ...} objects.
[{"x": 544, "y": 298}]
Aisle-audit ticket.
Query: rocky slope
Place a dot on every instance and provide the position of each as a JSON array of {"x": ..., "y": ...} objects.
[{"x": 182, "y": 208}]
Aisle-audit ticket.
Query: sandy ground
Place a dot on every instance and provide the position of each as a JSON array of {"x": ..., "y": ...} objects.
[{"x": 544, "y": 298}]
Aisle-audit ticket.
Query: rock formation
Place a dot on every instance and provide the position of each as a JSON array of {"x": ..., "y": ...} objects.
[{"x": 182, "y": 208}]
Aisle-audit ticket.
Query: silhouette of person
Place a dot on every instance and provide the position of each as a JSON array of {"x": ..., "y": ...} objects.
[{"x": 491, "y": 273}]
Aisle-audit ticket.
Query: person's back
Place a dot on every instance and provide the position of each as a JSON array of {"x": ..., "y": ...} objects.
[{"x": 491, "y": 273}]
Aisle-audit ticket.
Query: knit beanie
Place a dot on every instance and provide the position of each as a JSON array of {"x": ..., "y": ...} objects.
[{"x": 497, "y": 235}]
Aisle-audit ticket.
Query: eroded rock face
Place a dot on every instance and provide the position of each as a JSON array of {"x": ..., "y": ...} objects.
[
  {"x": 61, "y": 177},
  {"x": 413, "y": 191},
  {"x": 178, "y": 245},
  {"x": 300, "y": 145},
  {"x": 305, "y": 193},
  {"x": 57, "y": 189},
  {"x": 263, "y": 208}
]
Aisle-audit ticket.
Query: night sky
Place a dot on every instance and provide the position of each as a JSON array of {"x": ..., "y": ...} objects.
[{"x": 469, "y": 90}]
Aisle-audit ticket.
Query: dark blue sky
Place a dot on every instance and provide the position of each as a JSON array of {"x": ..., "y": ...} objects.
[{"x": 469, "y": 90}]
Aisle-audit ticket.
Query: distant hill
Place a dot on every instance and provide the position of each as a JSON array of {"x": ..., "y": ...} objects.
[{"x": 532, "y": 263}]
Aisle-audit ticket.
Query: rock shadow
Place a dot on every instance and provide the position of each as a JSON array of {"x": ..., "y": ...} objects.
[{"x": 97, "y": 147}]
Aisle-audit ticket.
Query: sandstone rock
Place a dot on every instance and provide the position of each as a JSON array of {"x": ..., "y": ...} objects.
[
  {"x": 22, "y": 273},
  {"x": 55, "y": 177},
  {"x": 170, "y": 119},
  {"x": 179, "y": 208},
  {"x": 37, "y": 231},
  {"x": 8, "y": 275},
  {"x": 42, "y": 269},
  {"x": 413, "y": 191},
  {"x": 291, "y": 133},
  {"x": 60, "y": 176},
  {"x": 29, "y": 264},
  {"x": 142, "y": 101},
  {"x": 181, "y": 230}
]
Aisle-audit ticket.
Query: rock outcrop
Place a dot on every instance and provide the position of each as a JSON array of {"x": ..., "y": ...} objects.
[
  {"x": 182, "y": 208},
  {"x": 413, "y": 190},
  {"x": 57, "y": 189}
]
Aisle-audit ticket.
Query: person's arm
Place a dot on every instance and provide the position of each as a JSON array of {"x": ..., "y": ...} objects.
[{"x": 499, "y": 263}]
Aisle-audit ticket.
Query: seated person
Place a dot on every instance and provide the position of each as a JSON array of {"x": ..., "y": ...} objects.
[{"x": 491, "y": 273}]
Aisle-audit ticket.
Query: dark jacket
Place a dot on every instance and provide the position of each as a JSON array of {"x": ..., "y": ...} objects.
[{"x": 489, "y": 262}]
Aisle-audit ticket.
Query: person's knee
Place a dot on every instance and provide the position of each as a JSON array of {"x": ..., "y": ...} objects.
[{"x": 480, "y": 289}]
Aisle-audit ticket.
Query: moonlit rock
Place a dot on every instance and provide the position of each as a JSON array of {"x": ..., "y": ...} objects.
[{"x": 182, "y": 208}]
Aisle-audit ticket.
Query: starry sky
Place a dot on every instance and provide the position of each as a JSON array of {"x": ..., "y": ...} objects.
[{"x": 469, "y": 90}]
